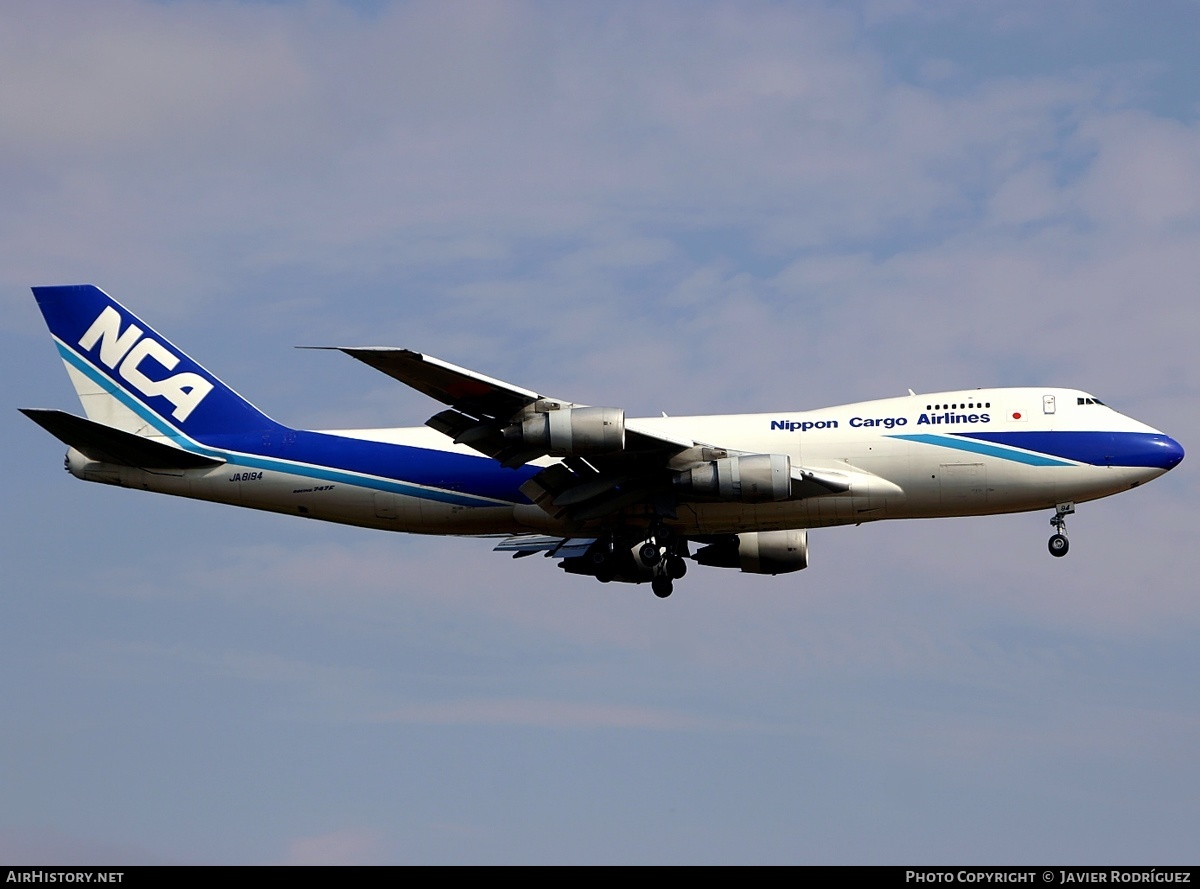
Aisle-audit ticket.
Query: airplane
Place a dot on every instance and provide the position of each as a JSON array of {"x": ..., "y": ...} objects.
[{"x": 611, "y": 497}]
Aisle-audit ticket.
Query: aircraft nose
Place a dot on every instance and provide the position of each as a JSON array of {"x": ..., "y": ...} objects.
[
  {"x": 1169, "y": 453},
  {"x": 1155, "y": 451}
]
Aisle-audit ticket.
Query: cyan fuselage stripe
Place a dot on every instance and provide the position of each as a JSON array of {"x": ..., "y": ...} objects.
[
  {"x": 74, "y": 310},
  {"x": 1064, "y": 447},
  {"x": 466, "y": 480},
  {"x": 458, "y": 479},
  {"x": 1094, "y": 447},
  {"x": 979, "y": 447},
  {"x": 86, "y": 368}
]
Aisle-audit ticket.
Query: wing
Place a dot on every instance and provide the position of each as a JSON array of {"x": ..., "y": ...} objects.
[
  {"x": 463, "y": 389},
  {"x": 483, "y": 409},
  {"x": 607, "y": 464}
]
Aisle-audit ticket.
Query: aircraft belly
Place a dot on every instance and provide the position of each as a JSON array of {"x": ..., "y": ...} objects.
[
  {"x": 998, "y": 486},
  {"x": 1092, "y": 482},
  {"x": 450, "y": 518},
  {"x": 881, "y": 468},
  {"x": 941, "y": 486},
  {"x": 163, "y": 481},
  {"x": 728, "y": 518}
]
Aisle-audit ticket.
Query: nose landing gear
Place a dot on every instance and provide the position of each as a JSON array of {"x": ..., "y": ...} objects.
[{"x": 1058, "y": 544}]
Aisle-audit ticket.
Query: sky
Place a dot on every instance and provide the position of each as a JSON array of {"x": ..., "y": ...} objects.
[{"x": 682, "y": 207}]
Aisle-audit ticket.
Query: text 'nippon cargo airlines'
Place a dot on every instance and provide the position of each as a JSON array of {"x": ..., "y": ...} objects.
[{"x": 614, "y": 498}]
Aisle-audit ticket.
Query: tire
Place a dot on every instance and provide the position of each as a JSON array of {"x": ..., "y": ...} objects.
[
  {"x": 676, "y": 567},
  {"x": 649, "y": 554},
  {"x": 662, "y": 587},
  {"x": 1058, "y": 546}
]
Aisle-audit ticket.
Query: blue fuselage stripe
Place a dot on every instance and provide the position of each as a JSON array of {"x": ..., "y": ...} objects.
[
  {"x": 977, "y": 447},
  {"x": 1146, "y": 449},
  {"x": 1063, "y": 448},
  {"x": 429, "y": 474},
  {"x": 466, "y": 480}
]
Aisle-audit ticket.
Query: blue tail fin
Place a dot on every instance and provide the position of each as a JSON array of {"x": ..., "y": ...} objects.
[{"x": 131, "y": 378}]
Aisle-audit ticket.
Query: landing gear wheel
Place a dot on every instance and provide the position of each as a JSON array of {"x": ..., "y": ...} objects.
[
  {"x": 1059, "y": 544},
  {"x": 675, "y": 567},
  {"x": 604, "y": 566},
  {"x": 662, "y": 586},
  {"x": 650, "y": 554}
]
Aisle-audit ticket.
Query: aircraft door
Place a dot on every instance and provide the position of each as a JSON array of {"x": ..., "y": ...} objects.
[
  {"x": 963, "y": 483},
  {"x": 385, "y": 505}
]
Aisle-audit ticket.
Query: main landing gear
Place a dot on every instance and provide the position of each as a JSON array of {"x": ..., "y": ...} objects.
[
  {"x": 655, "y": 554},
  {"x": 663, "y": 554},
  {"x": 673, "y": 568},
  {"x": 1059, "y": 545}
]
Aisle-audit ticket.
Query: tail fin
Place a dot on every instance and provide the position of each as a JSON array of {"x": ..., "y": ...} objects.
[{"x": 131, "y": 378}]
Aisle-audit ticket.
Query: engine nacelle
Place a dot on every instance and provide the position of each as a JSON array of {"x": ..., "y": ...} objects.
[
  {"x": 759, "y": 552},
  {"x": 576, "y": 431},
  {"x": 755, "y": 478}
]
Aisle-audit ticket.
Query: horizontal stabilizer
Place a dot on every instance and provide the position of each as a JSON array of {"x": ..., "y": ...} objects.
[{"x": 105, "y": 444}]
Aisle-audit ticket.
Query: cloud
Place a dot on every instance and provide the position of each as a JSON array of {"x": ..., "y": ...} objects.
[
  {"x": 339, "y": 848},
  {"x": 49, "y": 847},
  {"x": 690, "y": 208}
]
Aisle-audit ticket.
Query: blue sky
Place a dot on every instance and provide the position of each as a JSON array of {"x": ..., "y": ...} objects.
[{"x": 697, "y": 208}]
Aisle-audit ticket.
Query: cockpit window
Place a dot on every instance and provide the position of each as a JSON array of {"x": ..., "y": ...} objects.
[{"x": 1088, "y": 401}]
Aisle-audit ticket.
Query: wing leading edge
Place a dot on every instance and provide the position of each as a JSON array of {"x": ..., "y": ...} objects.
[
  {"x": 607, "y": 465},
  {"x": 448, "y": 383}
]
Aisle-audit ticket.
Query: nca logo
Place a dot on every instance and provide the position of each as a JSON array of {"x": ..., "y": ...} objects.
[{"x": 130, "y": 349}]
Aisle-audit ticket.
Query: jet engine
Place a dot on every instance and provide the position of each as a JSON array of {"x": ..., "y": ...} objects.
[
  {"x": 753, "y": 478},
  {"x": 573, "y": 431},
  {"x": 758, "y": 552}
]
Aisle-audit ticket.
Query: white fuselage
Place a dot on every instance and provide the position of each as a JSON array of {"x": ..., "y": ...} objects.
[{"x": 961, "y": 453}]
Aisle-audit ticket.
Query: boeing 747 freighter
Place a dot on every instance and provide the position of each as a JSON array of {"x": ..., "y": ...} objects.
[{"x": 615, "y": 498}]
